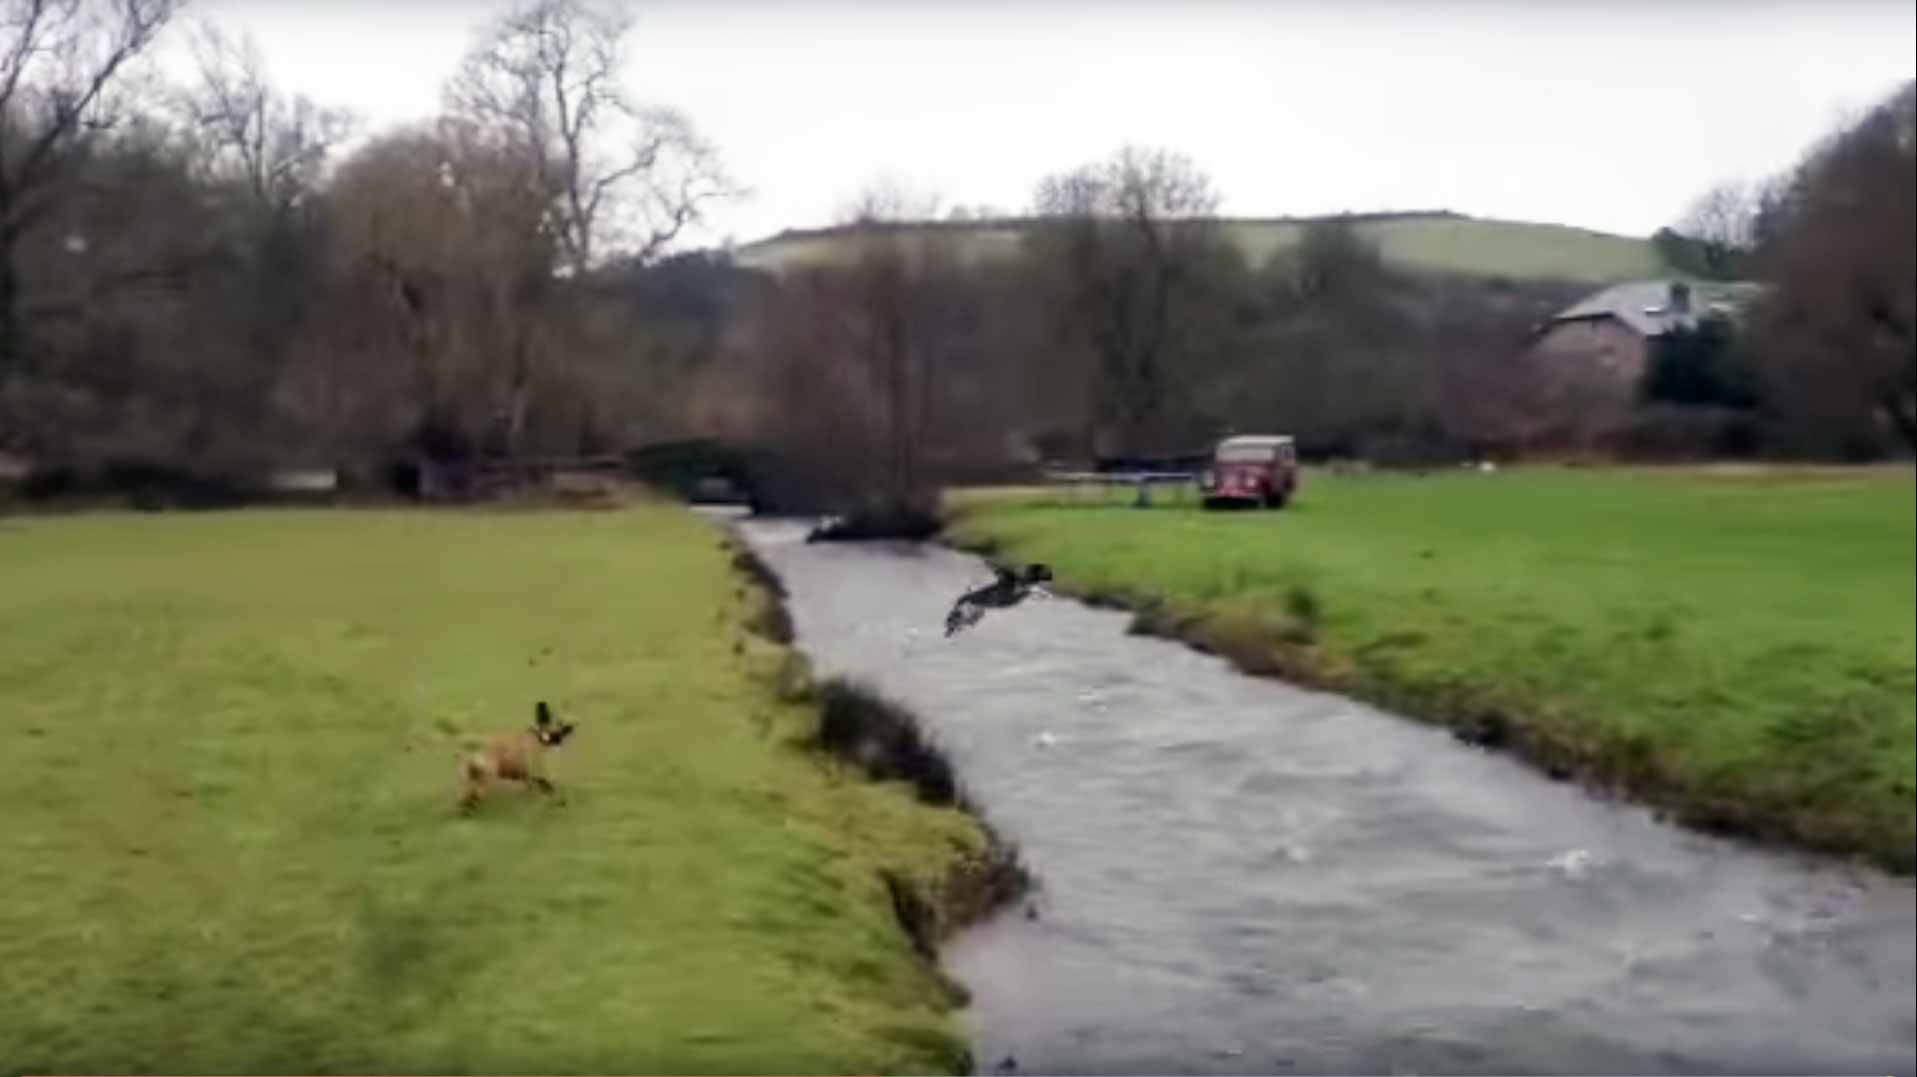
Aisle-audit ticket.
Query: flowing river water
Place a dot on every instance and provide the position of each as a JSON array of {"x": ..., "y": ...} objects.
[{"x": 1239, "y": 876}]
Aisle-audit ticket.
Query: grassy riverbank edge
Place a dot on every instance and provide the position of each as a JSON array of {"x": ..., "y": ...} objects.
[
  {"x": 1280, "y": 637},
  {"x": 235, "y": 735},
  {"x": 862, "y": 729}
]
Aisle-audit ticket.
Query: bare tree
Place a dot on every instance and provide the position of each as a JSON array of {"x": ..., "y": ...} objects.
[
  {"x": 546, "y": 79},
  {"x": 272, "y": 145},
  {"x": 890, "y": 202},
  {"x": 1838, "y": 333},
  {"x": 893, "y": 308},
  {"x": 60, "y": 61},
  {"x": 444, "y": 234},
  {"x": 883, "y": 296},
  {"x": 877, "y": 376},
  {"x": 1723, "y": 222},
  {"x": 1770, "y": 199},
  {"x": 1124, "y": 240},
  {"x": 117, "y": 285},
  {"x": 1333, "y": 261}
]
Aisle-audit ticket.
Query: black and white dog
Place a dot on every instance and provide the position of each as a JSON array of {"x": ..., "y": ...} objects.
[{"x": 1007, "y": 591}]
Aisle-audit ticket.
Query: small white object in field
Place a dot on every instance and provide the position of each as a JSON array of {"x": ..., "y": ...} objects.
[
  {"x": 1487, "y": 467},
  {"x": 1044, "y": 740},
  {"x": 1573, "y": 864}
]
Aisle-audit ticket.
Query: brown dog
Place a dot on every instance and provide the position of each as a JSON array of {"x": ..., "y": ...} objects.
[{"x": 512, "y": 757}]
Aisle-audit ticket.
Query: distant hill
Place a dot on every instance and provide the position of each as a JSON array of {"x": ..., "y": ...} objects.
[{"x": 1435, "y": 240}]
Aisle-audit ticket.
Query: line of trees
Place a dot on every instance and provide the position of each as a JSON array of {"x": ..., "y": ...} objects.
[
  {"x": 1129, "y": 324},
  {"x": 202, "y": 277},
  {"x": 1838, "y": 335},
  {"x": 193, "y": 275},
  {"x": 1828, "y": 358},
  {"x": 1132, "y": 325}
]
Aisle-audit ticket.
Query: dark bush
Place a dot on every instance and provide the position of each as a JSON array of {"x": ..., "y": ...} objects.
[
  {"x": 884, "y": 740},
  {"x": 752, "y": 567},
  {"x": 693, "y": 469},
  {"x": 909, "y": 522},
  {"x": 1414, "y": 450},
  {"x": 1672, "y": 432},
  {"x": 47, "y": 484},
  {"x": 772, "y": 621},
  {"x": 916, "y": 916},
  {"x": 1303, "y": 614},
  {"x": 142, "y": 484},
  {"x": 1702, "y": 365}
]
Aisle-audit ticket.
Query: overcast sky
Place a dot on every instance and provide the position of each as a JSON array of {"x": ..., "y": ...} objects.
[{"x": 1607, "y": 115}]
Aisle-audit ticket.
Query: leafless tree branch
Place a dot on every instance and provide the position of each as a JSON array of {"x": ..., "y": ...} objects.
[
  {"x": 546, "y": 80},
  {"x": 272, "y": 144},
  {"x": 59, "y": 62}
]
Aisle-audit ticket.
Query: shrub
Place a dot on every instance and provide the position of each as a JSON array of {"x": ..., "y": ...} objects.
[{"x": 883, "y": 739}]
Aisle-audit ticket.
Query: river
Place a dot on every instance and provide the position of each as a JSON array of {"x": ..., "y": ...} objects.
[{"x": 1239, "y": 876}]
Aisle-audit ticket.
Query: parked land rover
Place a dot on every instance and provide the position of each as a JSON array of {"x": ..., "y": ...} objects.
[{"x": 1258, "y": 470}]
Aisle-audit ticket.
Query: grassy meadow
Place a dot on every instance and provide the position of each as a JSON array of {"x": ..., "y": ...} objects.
[
  {"x": 1516, "y": 249},
  {"x": 1737, "y": 645},
  {"x": 231, "y": 840}
]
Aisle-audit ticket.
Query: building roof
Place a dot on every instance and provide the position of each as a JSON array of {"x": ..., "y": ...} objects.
[{"x": 1645, "y": 305}]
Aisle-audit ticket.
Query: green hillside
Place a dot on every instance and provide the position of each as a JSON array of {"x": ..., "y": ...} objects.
[{"x": 1438, "y": 241}]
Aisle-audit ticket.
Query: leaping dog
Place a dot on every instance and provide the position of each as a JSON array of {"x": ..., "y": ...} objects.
[
  {"x": 1003, "y": 593},
  {"x": 513, "y": 757}
]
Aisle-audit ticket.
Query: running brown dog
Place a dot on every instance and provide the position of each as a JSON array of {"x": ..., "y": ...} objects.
[{"x": 513, "y": 757}]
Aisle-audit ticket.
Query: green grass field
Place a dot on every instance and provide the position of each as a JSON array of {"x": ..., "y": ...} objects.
[
  {"x": 1515, "y": 249},
  {"x": 1739, "y": 646},
  {"x": 231, "y": 844}
]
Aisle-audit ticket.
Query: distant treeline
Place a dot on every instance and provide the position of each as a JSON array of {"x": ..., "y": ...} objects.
[{"x": 196, "y": 281}]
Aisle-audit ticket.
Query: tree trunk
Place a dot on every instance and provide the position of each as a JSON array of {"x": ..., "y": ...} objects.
[
  {"x": 518, "y": 400},
  {"x": 1903, "y": 415},
  {"x": 894, "y": 345},
  {"x": 922, "y": 425},
  {"x": 13, "y": 357}
]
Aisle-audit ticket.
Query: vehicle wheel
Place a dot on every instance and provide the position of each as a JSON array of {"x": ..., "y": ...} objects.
[{"x": 1275, "y": 499}]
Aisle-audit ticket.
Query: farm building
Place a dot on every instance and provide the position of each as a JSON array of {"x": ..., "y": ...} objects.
[{"x": 1614, "y": 328}]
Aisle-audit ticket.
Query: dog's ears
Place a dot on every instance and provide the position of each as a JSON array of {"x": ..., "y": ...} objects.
[{"x": 542, "y": 714}]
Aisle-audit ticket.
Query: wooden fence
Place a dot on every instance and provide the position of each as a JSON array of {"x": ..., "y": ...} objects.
[{"x": 1141, "y": 482}]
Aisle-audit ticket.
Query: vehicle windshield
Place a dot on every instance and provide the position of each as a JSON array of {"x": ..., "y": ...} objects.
[{"x": 1247, "y": 454}]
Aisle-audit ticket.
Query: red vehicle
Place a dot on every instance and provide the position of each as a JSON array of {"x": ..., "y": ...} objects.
[{"x": 1259, "y": 470}]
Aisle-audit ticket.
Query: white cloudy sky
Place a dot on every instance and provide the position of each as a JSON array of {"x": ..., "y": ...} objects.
[{"x": 1608, "y": 115}]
